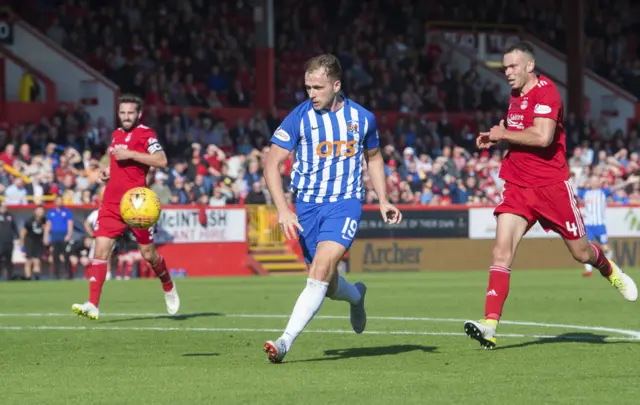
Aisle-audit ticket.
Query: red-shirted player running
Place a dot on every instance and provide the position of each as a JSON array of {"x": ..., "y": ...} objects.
[
  {"x": 536, "y": 189},
  {"x": 134, "y": 148}
]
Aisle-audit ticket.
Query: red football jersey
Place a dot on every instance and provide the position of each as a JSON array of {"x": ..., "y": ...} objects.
[
  {"x": 534, "y": 167},
  {"x": 127, "y": 174}
]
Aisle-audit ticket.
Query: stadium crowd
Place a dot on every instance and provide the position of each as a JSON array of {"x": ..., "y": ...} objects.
[
  {"x": 388, "y": 66},
  {"x": 211, "y": 162}
]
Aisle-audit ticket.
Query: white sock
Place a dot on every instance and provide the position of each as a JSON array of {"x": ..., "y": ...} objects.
[
  {"x": 609, "y": 254},
  {"x": 346, "y": 292},
  {"x": 308, "y": 304},
  {"x": 588, "y": 268}
]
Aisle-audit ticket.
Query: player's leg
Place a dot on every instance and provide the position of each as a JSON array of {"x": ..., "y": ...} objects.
[
  {"x": 588, "y": 269},
  {"x": 559, "y": 212},
  {"x": 57, "y": 249},
  {"x": 514, "y": 218},
  {"x": 109, "y": 226},
  {"x": 325, "y": 240},
  {"x": 73, "y": 264},
  {"x": 36, "y": 264},
  {"x": 159, "y": 266},
  {"x": 28, "y": 264}
]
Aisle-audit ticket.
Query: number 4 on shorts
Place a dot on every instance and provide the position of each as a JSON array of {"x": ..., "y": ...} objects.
[{"x": 571, "y": 227}]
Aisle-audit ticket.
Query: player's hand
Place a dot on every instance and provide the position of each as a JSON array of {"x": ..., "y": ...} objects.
[
  {"x": 288, "y": 222},
  {"x": 390, "y": 214},
  {"x": 67, "y": 238},
  {"x": 485, "y": 140},
  {"x": 122, "y": 154},
  {"x": 105, "y": 174}
]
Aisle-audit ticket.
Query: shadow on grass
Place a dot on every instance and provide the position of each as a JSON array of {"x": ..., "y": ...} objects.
[
  {"x": 591, "y": 338},
  {"x": 200, "y": 354},
  {"x": 342, "y": 354},
  {"x": 181, "y": 317}
]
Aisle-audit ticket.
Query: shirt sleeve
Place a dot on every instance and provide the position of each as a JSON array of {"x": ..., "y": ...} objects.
[
  {"x": 371, "y": 137},
  {"x": 69, "y": 215},
  {"x": 548, "y": 102},
  {"x": 150, "y": 142},
  {"x": 288, "y": 133},
  {"x": 607, "y": 192}
]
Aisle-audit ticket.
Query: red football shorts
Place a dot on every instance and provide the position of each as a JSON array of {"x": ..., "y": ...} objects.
[
  {"x": 110, "y": 225},
  {"x": 554, "y": 206}
]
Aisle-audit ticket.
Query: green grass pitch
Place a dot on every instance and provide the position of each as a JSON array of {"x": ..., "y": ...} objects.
[{"x": 569, "y": 341}]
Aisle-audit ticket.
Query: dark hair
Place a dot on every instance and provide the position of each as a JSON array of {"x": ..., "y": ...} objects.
[
  {"x": 522, "y": 46},
  {"x": 326, "y": 61},
  {"x": 130, "y": 98}
]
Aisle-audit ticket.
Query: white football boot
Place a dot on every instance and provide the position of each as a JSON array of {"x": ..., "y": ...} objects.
[
  {"x": 173, "y": 300},
  {"x": 88, "y": 310},
  {"x": 623, "y": 283},
  {"x": 275, "y": 350}
]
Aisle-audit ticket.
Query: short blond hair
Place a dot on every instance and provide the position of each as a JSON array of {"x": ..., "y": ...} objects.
[{"x": 328, "y": 62}]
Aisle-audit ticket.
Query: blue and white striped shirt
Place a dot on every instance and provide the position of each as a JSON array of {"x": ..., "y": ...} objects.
[
  {"x": 595, "y": 205},
  {"x": 328, "y": 150}
]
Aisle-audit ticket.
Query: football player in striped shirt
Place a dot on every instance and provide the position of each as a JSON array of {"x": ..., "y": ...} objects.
[
  {"x": 595, "y": 207},
  {"x": 331, "y": 138}
]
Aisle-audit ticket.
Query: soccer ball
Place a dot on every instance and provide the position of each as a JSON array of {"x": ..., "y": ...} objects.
[{"x": 140, "y": 208}]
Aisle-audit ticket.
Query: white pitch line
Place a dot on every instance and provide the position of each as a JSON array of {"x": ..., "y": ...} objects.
[
  {"x": 632, "y": 333},
  {"x": 330, "y": 331}
]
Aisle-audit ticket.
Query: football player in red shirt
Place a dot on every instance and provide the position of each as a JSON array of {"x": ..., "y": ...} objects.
[
  {"x": 536, "y": 187},
  {"x": 134, "y": 148}
]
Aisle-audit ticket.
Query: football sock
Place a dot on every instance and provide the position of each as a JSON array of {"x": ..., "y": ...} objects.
[
  {"x": 98, "y": 273},
  {"x": 128, "y": 269},
  {"x": 119, "y": 269},
  {"x": 308, "y": 304},
  {"x": 588, "y": 268},
  {"x": 346, "y": 292},
  {"x": 160, "y": 268},
  {"x": 600, "y": 261},
  {"x": 497, "y": 292}
]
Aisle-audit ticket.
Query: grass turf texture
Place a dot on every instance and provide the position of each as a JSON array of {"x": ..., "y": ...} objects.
[{"x": 209, "y": 354}]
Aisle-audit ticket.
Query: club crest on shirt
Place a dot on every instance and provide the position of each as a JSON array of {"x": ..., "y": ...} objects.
[
  {"x": 128, "y": 138},
  {"x": 524, "y": 104},
  {"x": 352, "y": 127}
]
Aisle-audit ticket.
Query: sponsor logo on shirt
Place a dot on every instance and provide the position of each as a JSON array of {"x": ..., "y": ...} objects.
[
  {"x": 282, "y": 135},
  {"x": 541, "y": 109}
]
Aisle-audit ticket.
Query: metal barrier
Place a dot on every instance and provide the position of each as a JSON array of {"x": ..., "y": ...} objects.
[{"x": 263, "y": 229}]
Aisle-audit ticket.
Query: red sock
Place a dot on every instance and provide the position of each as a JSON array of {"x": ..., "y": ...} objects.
[
  {"x": 119, "y": 269},
  {"x": 497, "y": 292},
  {"x": 601, "y": 263},
  {"x": 128, "y": 269},
  {"x": 98, "y": 271},
  {"x": 160, "y": 268}
]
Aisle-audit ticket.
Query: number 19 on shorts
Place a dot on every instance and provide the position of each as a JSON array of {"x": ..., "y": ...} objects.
[{"x": 349, "y": 229}]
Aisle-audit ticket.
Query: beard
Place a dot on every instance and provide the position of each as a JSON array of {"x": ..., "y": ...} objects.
[{"x": 131, "y": 125}]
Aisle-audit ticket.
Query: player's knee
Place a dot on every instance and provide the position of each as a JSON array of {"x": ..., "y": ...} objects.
[
  {"x": 502, "y": 256},
  {"x": 582, "y": 254},
  {"x": 320, "y": 269},
  {"x": 149, "y": 254}
]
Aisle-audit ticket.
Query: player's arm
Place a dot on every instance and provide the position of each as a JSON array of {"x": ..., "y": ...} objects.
[
  {"x": 631, "y": 180},
  {"x": 283, "y": 141},
  {"x": 546, "y": 114},
  {"x": 154, "y": 155},
  {"x": 375, "y": 165},
  {"x": 69, "y": 234},
  {"x": 87, "y": 228},
  {"x": 539, "y": 135},
  {"x": 275, "y": 160},
  {"x": 23, "y": 235},
  {"x": 47, "y": 231}
]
